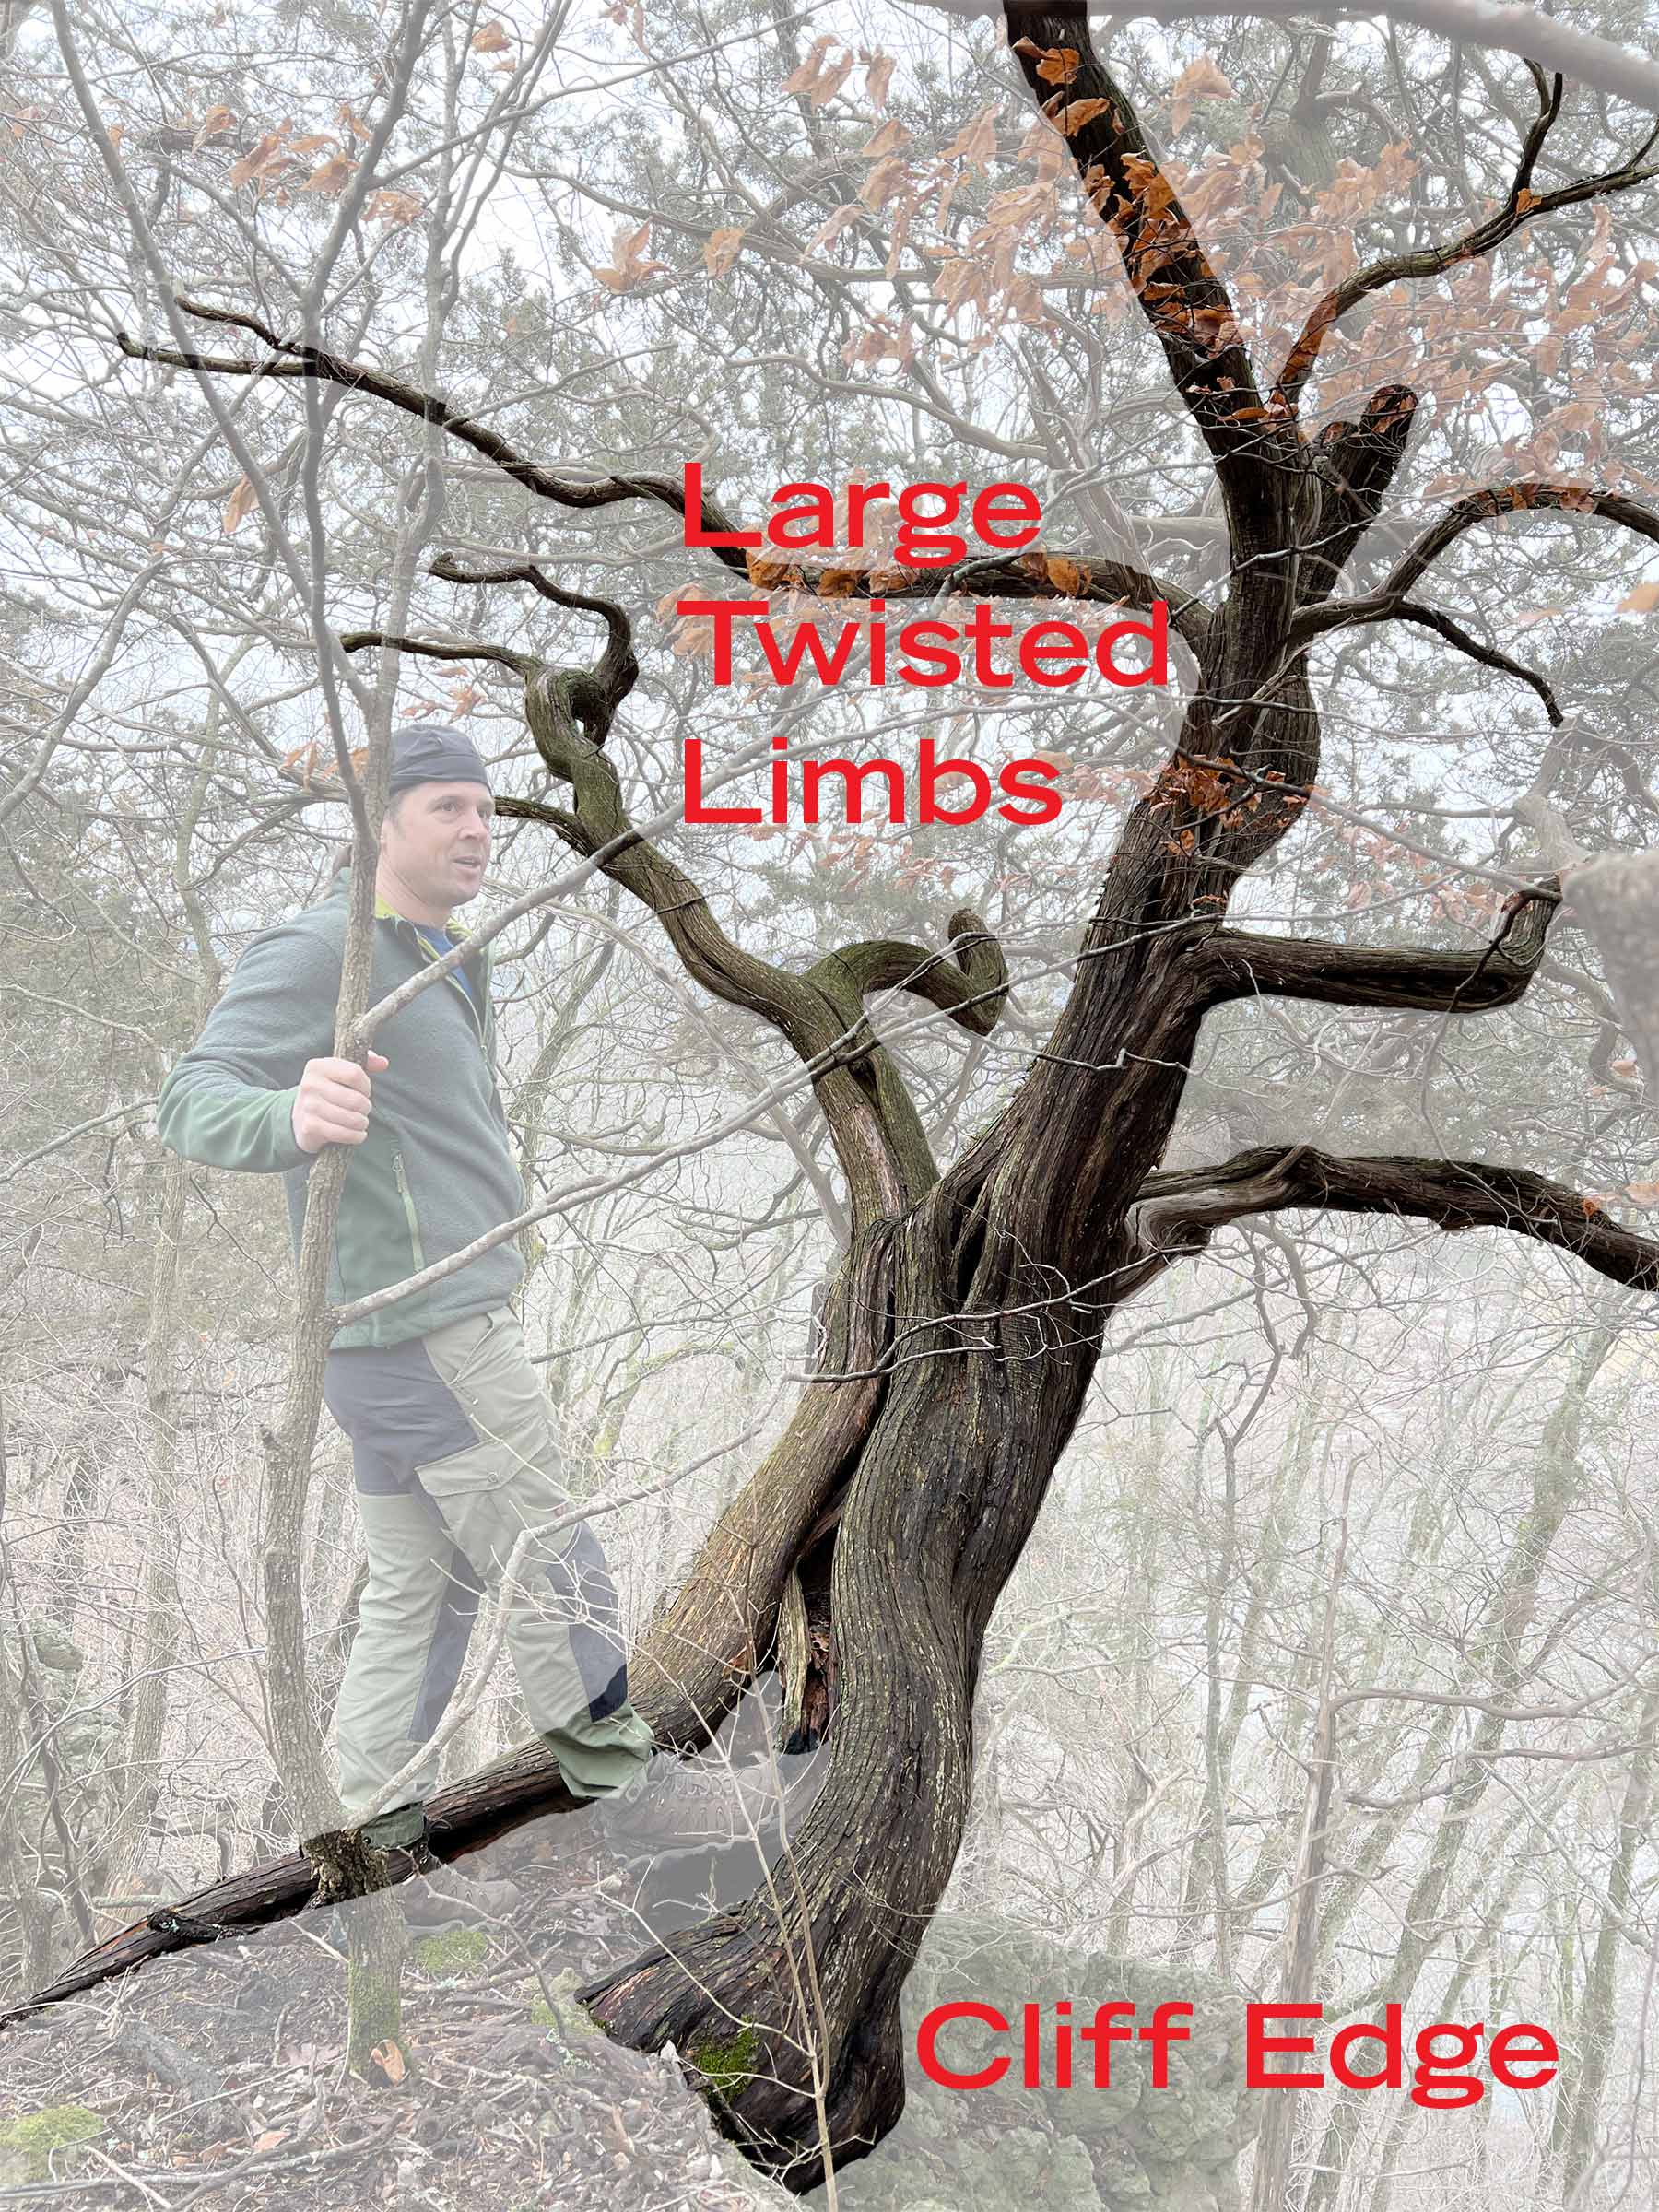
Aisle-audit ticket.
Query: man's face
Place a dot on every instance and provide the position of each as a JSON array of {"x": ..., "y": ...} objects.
[{"x": 434, "y": 848}]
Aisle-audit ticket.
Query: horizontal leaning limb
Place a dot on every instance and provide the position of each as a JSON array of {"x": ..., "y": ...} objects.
[
  {"x": 1236, "y": 964},
  {"x": 1180, "y": 1211},
  {"x": 1023, "y": 576}
]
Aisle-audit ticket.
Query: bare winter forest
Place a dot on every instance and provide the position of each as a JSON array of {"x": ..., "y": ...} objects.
[{"x": 1113, "y": 1356}]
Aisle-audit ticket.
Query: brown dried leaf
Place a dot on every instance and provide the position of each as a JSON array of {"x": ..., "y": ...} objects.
[
  {"x": 975, "y": 142},
  {"x": 388, "y": 2057},
  {"x": 492, "y": 39},
  {"x": 1641, "y": 601},
  {"x": 216, "y": 119},
  {"x": 1203, "y": 80},
  {"x": 803, "y": 79},
  {"x": 837, "y": 583},
  {"x": 1059, "y": 65},
  {"x": 888, "y": 140},
  {"x": 723, "y": 249},
  {"x": 332, "y": 175},
  {"x": 630, "y": 266},
  {"x": 1065, "y": 575},
  {"x": 831, "y": 229},
  {"x": 878, "y": 75},
  {"x": 767, "y": 575},
  {"x": 831, "y": 80},
  {"x": 389, "y": 207},
  {"x": 883, "y": 181},
  {"x": 1076, "y": 114},
  {"x": 237, "y": 507},
  {"x": 271, "y": 152}
]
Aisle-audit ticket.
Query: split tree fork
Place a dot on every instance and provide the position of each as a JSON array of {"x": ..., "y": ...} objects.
[{"x": 966, "y": 1318}]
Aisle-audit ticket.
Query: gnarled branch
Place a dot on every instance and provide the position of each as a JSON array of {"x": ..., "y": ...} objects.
[
  {"x": 1236, "y": 964},
  {"x": 1180, "y": 1211},
  {"x": 970, "y": 987}
]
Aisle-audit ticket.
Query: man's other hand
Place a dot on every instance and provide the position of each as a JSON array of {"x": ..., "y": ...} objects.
[{"x": 332, "y": 1104}]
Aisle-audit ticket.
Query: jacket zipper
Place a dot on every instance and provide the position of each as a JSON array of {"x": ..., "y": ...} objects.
[{"x": 408, "y": 1206}]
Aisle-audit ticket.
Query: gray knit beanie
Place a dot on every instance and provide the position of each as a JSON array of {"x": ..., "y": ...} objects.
[{"x": 430, "y": 752}]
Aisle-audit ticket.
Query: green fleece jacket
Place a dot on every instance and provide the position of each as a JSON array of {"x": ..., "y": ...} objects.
[{"x": 434, "y": 1172}]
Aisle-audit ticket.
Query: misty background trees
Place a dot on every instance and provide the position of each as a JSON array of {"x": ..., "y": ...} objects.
[{"x": 1330, "y": 1480}]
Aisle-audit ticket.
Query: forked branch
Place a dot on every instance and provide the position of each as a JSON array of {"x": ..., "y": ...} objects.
[
  {"x": 1521, "y": 206},
  {"x": 1474, "y": 507}
]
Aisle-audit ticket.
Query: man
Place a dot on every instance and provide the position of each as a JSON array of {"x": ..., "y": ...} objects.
[{"x": 454, "y": 1449}]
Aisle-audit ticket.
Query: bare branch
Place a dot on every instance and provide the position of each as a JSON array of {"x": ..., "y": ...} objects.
[
  {"x": 1180, "y": 1211},
  {"x": 442, "y": 649},
  {"x": 1242, "y": 966},
  {"x": 1488, "y": 656},
  {"x": 1023, "y": 576},
  {"x": 1484, "y": 506}
]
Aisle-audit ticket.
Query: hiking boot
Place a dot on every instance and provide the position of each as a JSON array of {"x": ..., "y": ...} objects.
[
  {"x": 674, "y": 1805},
  {"x": 435, "y": 1897}
]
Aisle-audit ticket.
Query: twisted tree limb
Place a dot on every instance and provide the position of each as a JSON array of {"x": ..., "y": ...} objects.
[
  {"x": 1179, "y": 1211},
  {"x": 1238, "y": 964}
]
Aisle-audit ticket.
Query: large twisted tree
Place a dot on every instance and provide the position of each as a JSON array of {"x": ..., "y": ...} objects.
[{"x": 966, "y": 1318}]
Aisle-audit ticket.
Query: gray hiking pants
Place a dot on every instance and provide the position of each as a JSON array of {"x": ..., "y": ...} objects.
[{"x": 454, "y": 1455}]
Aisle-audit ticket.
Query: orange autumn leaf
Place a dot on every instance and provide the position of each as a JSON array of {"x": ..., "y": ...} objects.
[
  {"x": 332, "y": 175},
  {"x": 1641, "y": 601},
  {"x": 1065, "y": 575},
  {"x": 492, "y": 39},
  {"x": 1059, "y": 65},
  {"x": 1203, "y": 80},
  {"x": 237, "y": 507},
  {"x": 1077, "y": 112},
  {"x": 723, "y": 249}
]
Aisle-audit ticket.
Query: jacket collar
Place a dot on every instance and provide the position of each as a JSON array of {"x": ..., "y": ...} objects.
[{"x": 341, "y": 890}]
